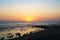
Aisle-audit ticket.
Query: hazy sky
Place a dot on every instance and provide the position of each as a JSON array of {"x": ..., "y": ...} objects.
[{"x": 29, "y": 10}]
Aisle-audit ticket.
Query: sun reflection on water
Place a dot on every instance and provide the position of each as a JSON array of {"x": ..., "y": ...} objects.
[{"x": 21, "y": 30}]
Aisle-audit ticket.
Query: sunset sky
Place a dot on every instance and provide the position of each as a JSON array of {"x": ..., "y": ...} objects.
[{"x": 30, "y": 10}]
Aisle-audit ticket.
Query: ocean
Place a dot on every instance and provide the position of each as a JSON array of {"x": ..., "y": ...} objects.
[{"x": 21, "y": 27}]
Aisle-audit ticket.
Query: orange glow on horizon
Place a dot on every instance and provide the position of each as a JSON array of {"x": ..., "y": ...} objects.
[{"x": 28, "y": 19}]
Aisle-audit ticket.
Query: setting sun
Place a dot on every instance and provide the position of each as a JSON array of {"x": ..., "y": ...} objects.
[{"x": 28, "y": 19}]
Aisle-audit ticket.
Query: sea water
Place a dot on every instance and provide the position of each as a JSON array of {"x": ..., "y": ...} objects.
[{"x": 20, "y": 27}]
